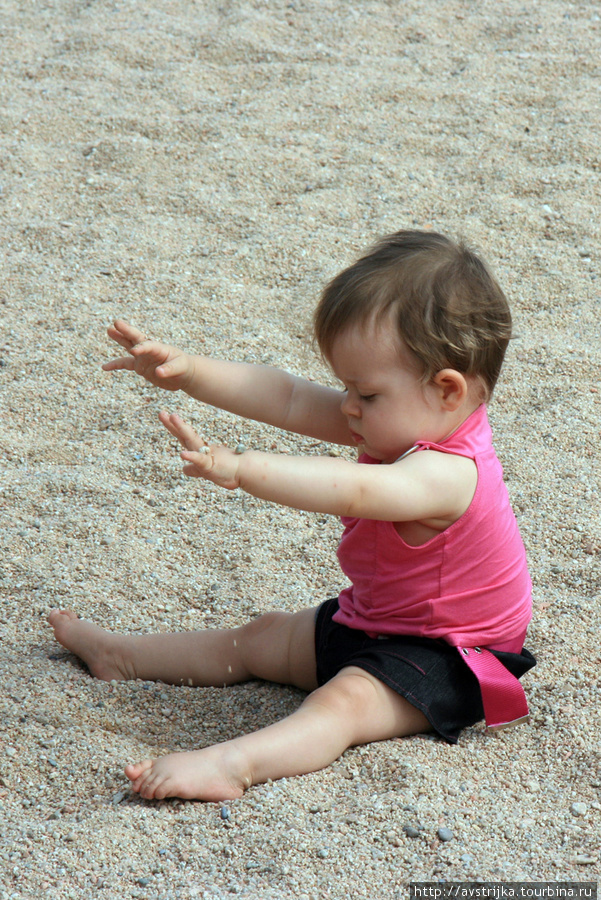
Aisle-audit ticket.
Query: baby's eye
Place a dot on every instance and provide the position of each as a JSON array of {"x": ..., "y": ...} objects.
[{"x": 367, "y": 397}]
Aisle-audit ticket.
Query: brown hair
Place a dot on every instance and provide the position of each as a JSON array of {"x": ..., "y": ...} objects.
[{"x": 448, "y": 308}]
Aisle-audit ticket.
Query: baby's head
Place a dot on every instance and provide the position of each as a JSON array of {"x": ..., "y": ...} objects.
[{"x": 446, "y": 306}]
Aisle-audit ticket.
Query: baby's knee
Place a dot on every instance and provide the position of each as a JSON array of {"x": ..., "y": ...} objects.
[
  {"x": 350, "y": 693},
  {"x": 255, "y": 638},
  {"x": 257, "y": 628}
]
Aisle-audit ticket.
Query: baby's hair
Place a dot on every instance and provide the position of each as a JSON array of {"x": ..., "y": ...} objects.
[{"x": 448, "y": 308}]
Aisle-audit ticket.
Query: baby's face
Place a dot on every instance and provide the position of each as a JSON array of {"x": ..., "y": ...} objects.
[{"x": 387, "y": 407}]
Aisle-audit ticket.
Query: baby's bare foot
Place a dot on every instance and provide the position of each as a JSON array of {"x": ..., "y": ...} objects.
[
  {"x": 103, "y": 653},
  {"x": 208, "y": 774}
]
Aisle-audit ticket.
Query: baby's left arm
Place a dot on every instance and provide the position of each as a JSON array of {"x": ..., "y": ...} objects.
[{"x": 426, "y": 485}]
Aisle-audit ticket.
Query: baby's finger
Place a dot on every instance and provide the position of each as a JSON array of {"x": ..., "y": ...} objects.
[
  {"x": 198, "y": 462},
  {"x": 192, "y": 471},
  {"x": 124, "y": 362},
  {"x": 118, "y": 337},
  {"x": 152, "y": 351},
  {"x": 201, "y": 458},
  {"x": 185, "y": 434},
  {"x": 165, "y": 419},
  {"x": 172, "y": 369},
  {"x": 126, "y": 332}
]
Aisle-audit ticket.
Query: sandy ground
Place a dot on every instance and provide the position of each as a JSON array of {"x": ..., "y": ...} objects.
[{"x": 201, "y": 168}]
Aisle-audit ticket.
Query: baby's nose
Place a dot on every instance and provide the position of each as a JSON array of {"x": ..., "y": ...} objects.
[{"x": 349, "y": 407}]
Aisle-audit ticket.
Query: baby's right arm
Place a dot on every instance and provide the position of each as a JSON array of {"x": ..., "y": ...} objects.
[{"x": 258, "y": 392}]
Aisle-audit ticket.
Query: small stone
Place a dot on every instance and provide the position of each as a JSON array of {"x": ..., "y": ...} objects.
[
  {"x": 410, "y": 831},
  {"x": 225, "y": 813},
  {"x": 323, "y": 853},
  {"x": 445, "y": 834},
  {"x": 143, "y": 882},
  {"x": 240, "y": 449},
  {"x": 579, "y": 809}
]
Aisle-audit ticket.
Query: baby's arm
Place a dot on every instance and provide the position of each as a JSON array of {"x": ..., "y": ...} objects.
[
  {"x": 428, "y": 486},
  {"x": 258, "y": 392}
]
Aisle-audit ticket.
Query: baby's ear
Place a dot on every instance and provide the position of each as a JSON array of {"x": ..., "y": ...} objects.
[{"x": 453, "y": 388}]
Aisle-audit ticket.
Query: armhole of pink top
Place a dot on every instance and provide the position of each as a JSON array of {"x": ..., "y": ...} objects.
[{"x": 408, "y": 452}]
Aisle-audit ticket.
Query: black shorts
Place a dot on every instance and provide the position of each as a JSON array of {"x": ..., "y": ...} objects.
[{"x": 429, "y": 673}]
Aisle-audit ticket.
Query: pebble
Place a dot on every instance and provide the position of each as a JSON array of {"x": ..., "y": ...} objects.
[
  {"x": 225, "y": 813},
  {"x": 579, "y": 809},
  {"x": 410, "y": 831},
  {"x": 445, "y": 834}
]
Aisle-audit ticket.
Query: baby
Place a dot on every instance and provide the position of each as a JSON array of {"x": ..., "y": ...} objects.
[{"x": 429, "y": 635}]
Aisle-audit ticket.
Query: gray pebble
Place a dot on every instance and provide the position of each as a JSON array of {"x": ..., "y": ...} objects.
[
  {"x": 445, "y": 834},
  {"x": 323, "y": 853},
  {"x": 225, "y": 813},
  {"x": 410, "y": 831},
  {"x": 579, "y": 809}
]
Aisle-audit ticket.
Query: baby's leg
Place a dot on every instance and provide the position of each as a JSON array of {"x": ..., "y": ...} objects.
[
  {"x": 353, "y": 708},
  {"x": 278, "y": 647}
]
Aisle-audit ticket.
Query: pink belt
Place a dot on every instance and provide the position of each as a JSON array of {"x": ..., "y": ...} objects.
[{"x": 503, "y": 696}]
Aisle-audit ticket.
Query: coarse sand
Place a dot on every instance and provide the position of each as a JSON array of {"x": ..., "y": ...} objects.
[{"x": 201, "y": 169}]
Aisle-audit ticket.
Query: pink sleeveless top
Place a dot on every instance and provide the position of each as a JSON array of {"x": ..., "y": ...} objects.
[{"x": 468, "y": 585}]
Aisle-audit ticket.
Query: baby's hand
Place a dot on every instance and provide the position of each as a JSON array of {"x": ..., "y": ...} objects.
[
  {"x": 216, "y": 463},
  {"x": 163, "y": 366}
]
